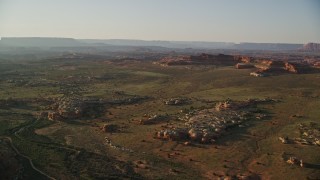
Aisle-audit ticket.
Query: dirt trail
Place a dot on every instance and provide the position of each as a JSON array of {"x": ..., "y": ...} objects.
[
  {"x": 27, "y": 157},
  {"x": 26, "y": 127}
]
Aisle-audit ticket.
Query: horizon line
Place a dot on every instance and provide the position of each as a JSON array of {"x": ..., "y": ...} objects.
[{"x": 129, "y": 39}]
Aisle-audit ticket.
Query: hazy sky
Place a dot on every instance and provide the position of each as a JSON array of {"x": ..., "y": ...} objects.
[{"x": 291, "y": 21}]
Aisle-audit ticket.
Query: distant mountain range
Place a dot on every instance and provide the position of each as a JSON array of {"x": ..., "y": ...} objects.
[{"x": 44, "y": 42}]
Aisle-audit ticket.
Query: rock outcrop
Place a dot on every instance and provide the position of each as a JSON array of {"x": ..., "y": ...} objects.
[
  {"x": 297, "y": 67},
  {"x": 65, "y": 108},
  {"x": 278, "y": 67},
  {"x": 176, "y": 134},
  {"x": 244, "y": 59},
  {"x": 205, "y": 126}
]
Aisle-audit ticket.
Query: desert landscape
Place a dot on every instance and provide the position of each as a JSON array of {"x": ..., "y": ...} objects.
[
  {"x": 159, "y": 90},
  {"x": 158, "y": 115}
]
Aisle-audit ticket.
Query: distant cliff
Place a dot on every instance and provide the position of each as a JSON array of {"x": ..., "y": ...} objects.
[
  {"x": 69, "y": 42},
  {"x": 311, "y": 47},
  {"x": 40, "y": 42},
  {"x": 199, "y": 44}
]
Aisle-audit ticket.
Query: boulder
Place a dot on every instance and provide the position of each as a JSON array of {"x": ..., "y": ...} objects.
[
  {"x": 293, "y": 160},
  {"x": 284, "y": 140}
]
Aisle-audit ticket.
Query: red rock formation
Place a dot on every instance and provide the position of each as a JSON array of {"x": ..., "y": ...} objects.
[
  {"x": 244, "y": 59},
  {"x": 290, "y": 67},
  {"x": 269, "y": 66},
  {"x": 298, "y": 67}
]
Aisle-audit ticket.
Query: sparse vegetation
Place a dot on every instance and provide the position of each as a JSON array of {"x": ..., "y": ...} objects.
[{"x": 103, "y": 103}]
